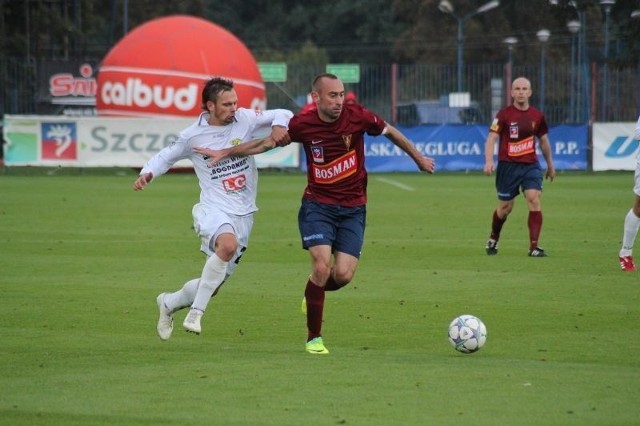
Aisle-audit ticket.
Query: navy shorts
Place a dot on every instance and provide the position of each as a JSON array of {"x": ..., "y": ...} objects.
[
  {"x": 511, "y": 178},
  {"x": 342, "y": 228}
]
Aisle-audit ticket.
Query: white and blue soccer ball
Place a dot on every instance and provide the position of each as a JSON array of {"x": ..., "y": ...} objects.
[{"x": 467, "y": 334}]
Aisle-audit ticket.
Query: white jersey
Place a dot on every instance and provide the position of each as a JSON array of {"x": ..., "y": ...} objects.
[
  {"x": 636, "y": 136},
  {"x": 636, "y": 175},
  {"x": 231, "y": 184}
]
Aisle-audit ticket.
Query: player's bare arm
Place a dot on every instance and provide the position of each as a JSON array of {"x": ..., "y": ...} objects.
[
  {"x": 545, "y": 147},
  {"x": 142, "y": 181},
  {"x": 489, "y": 148},
  {"x": 256, "y": 146},
  {"x": 425, "y": 164}
]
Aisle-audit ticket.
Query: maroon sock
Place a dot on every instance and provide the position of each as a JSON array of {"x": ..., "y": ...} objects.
[
  {"x": 332, "y": 285},
  {"x": 496, "y": 225},
  {"x": 535, "y": 225},
  {"x": 315, "y": 306}
]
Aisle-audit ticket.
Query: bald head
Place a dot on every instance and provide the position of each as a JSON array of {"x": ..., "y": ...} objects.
[
  {"x": 520, "y": 82},
  {"x": 521, "y": 92}
]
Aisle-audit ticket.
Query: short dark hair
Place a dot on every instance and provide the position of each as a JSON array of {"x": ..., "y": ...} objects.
[
  {"x": 213, "y": 88},
  {"x": 316, "y": 81}
]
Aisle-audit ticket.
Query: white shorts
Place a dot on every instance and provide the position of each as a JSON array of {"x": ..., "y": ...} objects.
[{"x": 209, "y": 223}]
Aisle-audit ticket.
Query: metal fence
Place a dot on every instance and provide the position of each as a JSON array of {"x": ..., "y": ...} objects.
[{"x": 407, "y": 93}]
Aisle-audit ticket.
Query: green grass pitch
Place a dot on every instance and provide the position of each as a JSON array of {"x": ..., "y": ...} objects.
[{"x": 82, "y": 258}]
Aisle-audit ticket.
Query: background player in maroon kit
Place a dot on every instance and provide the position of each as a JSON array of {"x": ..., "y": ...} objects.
[
  {"x": 332, "y": 215},
  {"x": 517, "y": 127}
]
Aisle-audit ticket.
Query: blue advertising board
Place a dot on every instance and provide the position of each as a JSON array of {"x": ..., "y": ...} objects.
[{"x": 461, "y": 147}]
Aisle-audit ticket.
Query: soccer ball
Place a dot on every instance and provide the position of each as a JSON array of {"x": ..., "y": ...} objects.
[{"x": 467, "y": 334}]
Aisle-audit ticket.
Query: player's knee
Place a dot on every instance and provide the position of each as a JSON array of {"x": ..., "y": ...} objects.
[
  {"x": 343, "y": 277},
  {"x": 504, "y": 211},
  {"x": 321, "y": 269},
  {"x": 636, "y": 206},
  {"x": 226, "y": 248}
]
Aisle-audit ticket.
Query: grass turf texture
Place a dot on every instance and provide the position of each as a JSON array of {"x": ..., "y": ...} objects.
[{"x": 83, "y": 257}]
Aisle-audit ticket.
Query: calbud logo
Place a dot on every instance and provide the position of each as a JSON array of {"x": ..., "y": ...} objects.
[
  {"x": 159, "y": 69},
  {"x": 134, "y": 92}
]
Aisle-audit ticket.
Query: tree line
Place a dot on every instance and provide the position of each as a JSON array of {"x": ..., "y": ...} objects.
[{"x": 372, "y": 31}]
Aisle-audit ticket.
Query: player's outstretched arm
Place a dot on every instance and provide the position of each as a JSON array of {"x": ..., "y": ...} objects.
[
  {"x": 426, "y": 164},
  {"x": 256, "y": 146}
]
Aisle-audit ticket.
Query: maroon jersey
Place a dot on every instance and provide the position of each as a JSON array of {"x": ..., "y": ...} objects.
[
  {"x": 335, "y": 154},
  {"x": 518, "y": 131}
]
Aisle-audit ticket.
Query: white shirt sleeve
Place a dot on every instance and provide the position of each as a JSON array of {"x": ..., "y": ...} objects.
[
  {"x": 160, "y": 163},
  {"x": 636, "y": 134}
]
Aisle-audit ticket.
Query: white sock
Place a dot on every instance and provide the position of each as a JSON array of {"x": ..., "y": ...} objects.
[
  {"x": 183, "y": 297},
  {"x": 631, "y": 225},
  {"x": 213, "y": 274}
]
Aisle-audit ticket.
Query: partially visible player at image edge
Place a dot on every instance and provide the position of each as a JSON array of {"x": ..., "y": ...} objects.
[
  {"x": 632, "y": 219},
  {"x": 516, "y": 128},
  {"x": 223, "y": 217}
]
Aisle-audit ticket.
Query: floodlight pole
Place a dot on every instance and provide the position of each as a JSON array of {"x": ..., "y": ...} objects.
[
  {"x": 636, "y": 15},
  {"x": 573, "y": 27},
  {"x": 607, "y": 5},
  {"x": 445, "y": 6},
  {"x": 510, "y": 42},
  {"x": 543, "y": 36}
]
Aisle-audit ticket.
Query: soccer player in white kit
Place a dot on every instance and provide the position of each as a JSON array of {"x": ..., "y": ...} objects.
[
  {"x": 632, "y": 219},
  {"x": 224, "y": 216}
]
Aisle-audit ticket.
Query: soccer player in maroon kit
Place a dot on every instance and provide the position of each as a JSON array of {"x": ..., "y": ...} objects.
[
  {"x": 517, "y": 126},
  {"x": 332, "y": 215}
]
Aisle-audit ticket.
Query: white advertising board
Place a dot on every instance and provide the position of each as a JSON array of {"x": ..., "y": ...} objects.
[
  {"x": 105, "y": 142},
  {"x": 614, "y": 147}
]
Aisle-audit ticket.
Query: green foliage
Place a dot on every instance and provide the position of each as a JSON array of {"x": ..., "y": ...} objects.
[
  {"x": 83, "y": 257},
  {"x": 373, "y": 32}
]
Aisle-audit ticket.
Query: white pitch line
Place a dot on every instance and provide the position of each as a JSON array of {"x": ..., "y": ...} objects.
[{"x": 396, "y": 184}]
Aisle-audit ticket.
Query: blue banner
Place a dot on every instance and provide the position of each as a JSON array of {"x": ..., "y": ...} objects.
[
  {"x": 461, "y": 147},
  {"x": 569, "y": 146}
]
